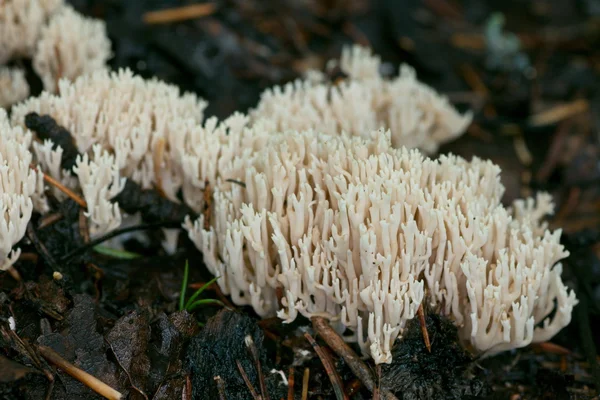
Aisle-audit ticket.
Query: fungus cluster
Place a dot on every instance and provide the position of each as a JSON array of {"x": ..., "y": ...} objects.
[
  {"x": 310, "y": 200},
  {"x": 364, "y": 102},
  {"x": 362, "y": 233},
  {"x": 60, "y": 42},
  {"x": 21, "y": 188}
]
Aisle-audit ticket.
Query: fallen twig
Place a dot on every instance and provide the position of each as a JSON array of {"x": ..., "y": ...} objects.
[
  {"x": 48, "y": 179},
  {"x": 336, "y": 381},
  {"x": 49, "y": 219},
  {"x": 424, "y": 328},
  {"x": 253, "y": 391},
  {"x": 337, "y": 344},
  {"x": 179, "y": 14},
  {"x": 90, "y": 381},
  {"x": 305, "y": 379},
  {"x": 261, "y": 378},
  {"x": 117, "y": 232},
  {"x": 291, "y": 384},
  {"x": 12, "y": 271},
  {"x": 157, "y": 157},
  {"x": 559, "y": 113}
]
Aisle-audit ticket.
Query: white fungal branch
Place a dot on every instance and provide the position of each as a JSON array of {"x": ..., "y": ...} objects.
[
  {"x": 416, "y": 115},
  {"x": 19, "y": 187},
  {"x": 361, "y": 233},
  {"x": 70, "y": 45},
  {"x": 61, "y": 43},
  {"x": 100, "y": 181}
]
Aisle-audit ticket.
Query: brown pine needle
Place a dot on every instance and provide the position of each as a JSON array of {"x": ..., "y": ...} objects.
[
  {"x": 14, "y": 273},
  {"x": 187, "y": 390},
  {"x": 93, "y": 383},
  {"x": 49, "y": 219},
  {"x": 336, "y": 381},
  {"x": 424, "y": 328},
  {"x": 559, "y": 113},
  {"x": 84, "y": 228},
  {"x": 48, "y": 179},
  {"x": 305, "y": 383},
  {"x": 253, "y": 391},
  {"x": 179, "y": 14},
  {"x": 261, "y": 378},
  {"x": 550, "y": 347},
  {"x": 522, "y": 151},
  {"x": 157, "y": 157},
  {"x": 291, "y": 384},
  {"x": 377, "y": 391}
]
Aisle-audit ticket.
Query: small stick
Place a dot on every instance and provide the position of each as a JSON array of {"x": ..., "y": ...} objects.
[
  {"x": 61, "y": 187},
  {"x": 93, "y": 383},
  {"x": 261, "y": 378},
  {"x": 305, "y": 383},
  {"x": 14, "y": 273},
  {"x": 424, "y": 328},
  {"x": 550, "y": 347},
  {"x": 179, "y": 14},
  {"x": 335, "y": 379},
  {"x": 253, "y": 391},
  {"x": 49, "y": 220},
  {"x": 523, "y": 153},
  {"x": 188, "y": 388},
  {"x": 231, "y": 180},
  {"x": 84, "y": 228},
  {"x": 115, "y": 233},
  {"x": 59, "y": 68},
  {"x": 291, "y": 384},
  {"x": 157, "y": 157},
  {"x": 476, "y": 83},
  {"x": 377, "y": 391},
  {"x": 559, "y": 113},
  {"x": 220, "y": 387},
  {"x": 341, "y": 348}
]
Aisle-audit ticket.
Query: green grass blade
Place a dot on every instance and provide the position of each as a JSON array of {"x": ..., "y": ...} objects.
[
  {"x": 203, "y": 302},
  {"x": 199, "y": 292},
  {"x": 122, "y": 254},
  {"x": 186, "y": 272}
]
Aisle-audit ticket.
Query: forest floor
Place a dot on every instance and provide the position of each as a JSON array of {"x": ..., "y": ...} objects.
[{"x": 536, "y": 114}]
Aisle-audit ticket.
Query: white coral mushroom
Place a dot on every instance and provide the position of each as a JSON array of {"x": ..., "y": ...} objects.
[
  {"x": 19, "y": 187},
  {"x": 416, "y": 115},
  {"x": 100, "y": 181},
  {"x": 20, "y": 24},
  {"x": 140, "y": 122},
  {"x": 70, "y": 45},
  {"x": 362, "y": 233}
]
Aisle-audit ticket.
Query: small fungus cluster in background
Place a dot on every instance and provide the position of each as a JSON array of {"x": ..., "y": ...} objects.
[
  {"x": 364, "y": 102},
  {"x": 309, "y": 196},
  {"x": 60, "y": 42}
]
